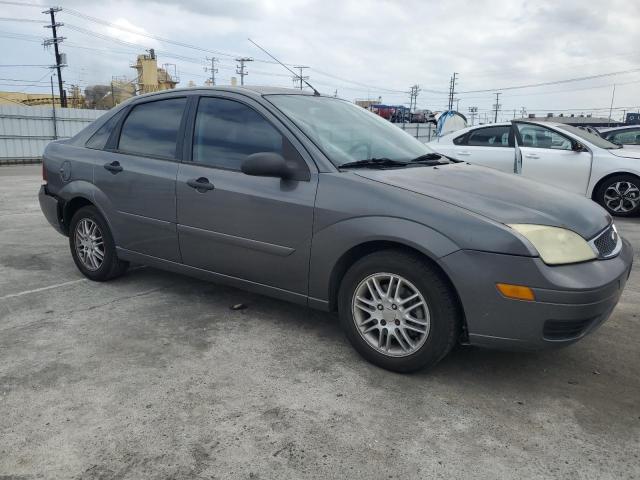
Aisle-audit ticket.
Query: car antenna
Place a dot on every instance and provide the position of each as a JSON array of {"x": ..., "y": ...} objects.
[{"x": 315, "y": 92}]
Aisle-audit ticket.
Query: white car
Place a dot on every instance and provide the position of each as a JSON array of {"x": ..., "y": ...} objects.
[
  {"x": 625, "y": 135},
  {"x": 555, "y": 154}
]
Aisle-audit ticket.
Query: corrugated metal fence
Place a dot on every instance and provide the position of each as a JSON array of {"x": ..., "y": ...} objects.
[
  {"x": 25, "y": 131},
  {"x": 422, "y": 131}
]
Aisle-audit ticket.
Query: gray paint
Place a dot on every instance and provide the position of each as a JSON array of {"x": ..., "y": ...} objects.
[{"x": 285, "y": 238}]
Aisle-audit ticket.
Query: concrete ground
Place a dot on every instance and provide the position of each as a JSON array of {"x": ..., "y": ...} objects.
[{"x": 154, "y": 376}]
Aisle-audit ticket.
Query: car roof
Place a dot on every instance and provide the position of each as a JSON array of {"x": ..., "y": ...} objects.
[{"x": 246, "y": 90}]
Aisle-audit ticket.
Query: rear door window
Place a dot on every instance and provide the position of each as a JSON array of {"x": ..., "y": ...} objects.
[
  {"x": 151, "y": 129},
  {"x": 489, "y": 137}
]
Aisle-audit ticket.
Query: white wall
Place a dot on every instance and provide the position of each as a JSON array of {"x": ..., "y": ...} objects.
[{"x": 25, "y": 131}]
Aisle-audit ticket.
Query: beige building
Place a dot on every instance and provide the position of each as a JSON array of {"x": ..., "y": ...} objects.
[
  {"x": 27, "y": 99},
  {"x": 150, "y": 77}
]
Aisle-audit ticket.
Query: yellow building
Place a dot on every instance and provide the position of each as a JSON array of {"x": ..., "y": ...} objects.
[{"x": 150, "y": 77}]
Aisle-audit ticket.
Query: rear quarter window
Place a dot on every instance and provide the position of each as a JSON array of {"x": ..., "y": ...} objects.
[
  {"x": 99, "y": 139},
  {"x": 461, "y": 140}
]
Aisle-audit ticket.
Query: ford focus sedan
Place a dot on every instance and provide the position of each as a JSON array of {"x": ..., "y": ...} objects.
[{"x": 314, "y": 200}]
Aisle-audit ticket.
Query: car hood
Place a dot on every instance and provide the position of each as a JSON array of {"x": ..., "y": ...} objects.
[
  {"x": 502, "y": 197},
  {"x": 628, "y": 151}
]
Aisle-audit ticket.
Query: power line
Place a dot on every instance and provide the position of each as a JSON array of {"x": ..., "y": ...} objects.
[
  {"x": 21, "y": 66},
  {"x": 15, "y": 19},
  {"x": 556, "y": 82}
]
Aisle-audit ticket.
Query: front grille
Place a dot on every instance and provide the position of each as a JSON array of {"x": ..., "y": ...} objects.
[
  {"x": 607, "y": 242},
  {"x": 565, "y": 329}
]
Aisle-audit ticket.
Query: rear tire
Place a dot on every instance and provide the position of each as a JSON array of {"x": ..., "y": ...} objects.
[
  {"x": 417, "y": 336},
  {"x": 620, "y": 195},
  {"x": 92, "y": 246}
]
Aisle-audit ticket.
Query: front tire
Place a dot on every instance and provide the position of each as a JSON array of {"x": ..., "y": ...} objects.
[
  {"x": 398, "y": 311},
  {"x": 620, "y": 195},
  {"x": 92, "y": 246}
]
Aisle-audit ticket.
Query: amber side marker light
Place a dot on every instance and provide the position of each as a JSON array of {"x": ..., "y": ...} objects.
[{"x": 517, "y": 292}]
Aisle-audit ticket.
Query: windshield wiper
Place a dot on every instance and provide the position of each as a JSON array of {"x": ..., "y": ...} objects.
[
  {"x": 375, "y": 163},
  {"x": 432, "y": 158}
]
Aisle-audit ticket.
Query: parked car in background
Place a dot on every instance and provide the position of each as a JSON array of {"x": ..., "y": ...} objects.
[
  {"x": 566, "y": 157},
  {"x": 315, "y": 200},
  {"x": 627, "y": 135}
]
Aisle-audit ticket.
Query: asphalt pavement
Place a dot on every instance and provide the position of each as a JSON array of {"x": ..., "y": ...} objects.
[{"x": 154, "y": 375}]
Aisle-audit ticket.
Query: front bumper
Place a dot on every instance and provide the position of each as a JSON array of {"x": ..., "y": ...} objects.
[
  {"x": 50, "y": 208},
  {"x": 570, "y": 300}
]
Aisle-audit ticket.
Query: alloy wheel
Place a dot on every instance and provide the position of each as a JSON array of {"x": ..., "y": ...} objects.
[
  {"x": 391, "y": 314},
  {"x": 89, "y": 244},
  {"x": 622, "y": 197}
]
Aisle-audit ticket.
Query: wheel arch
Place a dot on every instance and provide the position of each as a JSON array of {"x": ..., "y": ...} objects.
[
  {"x": 355, "y": 253},
  {"x": 599, "y": 183},
  {"x": 70, "y": 207}
]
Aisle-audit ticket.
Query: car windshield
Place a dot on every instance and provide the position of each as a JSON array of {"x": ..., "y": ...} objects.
[
  {"x": 347, "y": 133},
  {"x": 593, "y": 138}
]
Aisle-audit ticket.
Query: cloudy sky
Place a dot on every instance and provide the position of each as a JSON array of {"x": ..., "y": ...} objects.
[{"x": 359, "y": 48}]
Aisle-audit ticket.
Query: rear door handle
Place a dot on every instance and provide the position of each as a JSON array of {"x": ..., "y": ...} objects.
[
  {"x": 114, "y": 167},
  {"x": 531, "y": 155},
  {"x": 201, "y": 184}
]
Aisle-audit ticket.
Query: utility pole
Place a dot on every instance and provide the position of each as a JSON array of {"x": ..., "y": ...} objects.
[
  {"x": 212, "y": 69},
  {"x": 413, "y": 97},
  {"x": 523, "y": 112},
  {"x": 299, "y": 79},
  {"x": 59, "y": 57},
  {"x": 613, "y": 94},
  {"x": 53, "y": 110},
  {"x": 473, "y": 111},
  {"x": 497, "y": 107},
  {"x": 452, "y": 88},
  {"x": 240, "y": 68}
]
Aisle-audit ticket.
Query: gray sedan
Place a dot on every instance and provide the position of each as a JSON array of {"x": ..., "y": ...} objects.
[{"x": 314, "y": 200}]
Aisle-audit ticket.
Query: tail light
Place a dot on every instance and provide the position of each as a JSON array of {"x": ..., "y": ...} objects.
[{"x": 44, "y": 173}]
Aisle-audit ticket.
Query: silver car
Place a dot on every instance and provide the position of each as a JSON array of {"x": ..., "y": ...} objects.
[{"x": 314, "y": 200}]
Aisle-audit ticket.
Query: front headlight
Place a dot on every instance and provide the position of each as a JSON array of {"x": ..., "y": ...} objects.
[{"x": 556, "y": 246}]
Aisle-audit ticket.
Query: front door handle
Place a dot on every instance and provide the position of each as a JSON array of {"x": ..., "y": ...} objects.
[
  {"x": 201, "y": 184},
  {"x": 114, "y": 167},
  {"x": 465, "y": 153}
]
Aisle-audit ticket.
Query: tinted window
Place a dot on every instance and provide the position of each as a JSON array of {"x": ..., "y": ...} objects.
[
  {"x": 490, "y": 137},
  {"x": 152, "y": 128},
  {"x": 99, "y": 139},
  {"x": 226, "y": 132},
  {"x": 541, "y": 137},
  {"x": 626, "y": 137},
  {"x": 461, "y": 140}
]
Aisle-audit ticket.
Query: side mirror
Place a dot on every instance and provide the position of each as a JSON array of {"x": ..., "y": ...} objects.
[
  {"x": 578, "y": 147},
  {"x": 267, "y": 164}
]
